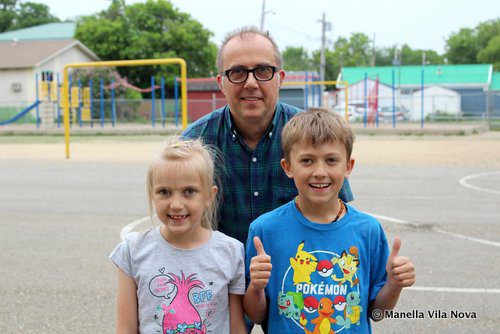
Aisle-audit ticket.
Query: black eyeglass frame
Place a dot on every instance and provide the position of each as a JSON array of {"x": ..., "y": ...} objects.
[{"x": 248, "y": 71}]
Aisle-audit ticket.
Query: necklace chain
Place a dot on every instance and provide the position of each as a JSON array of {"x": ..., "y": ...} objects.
[{"x": 296, "y": 200}]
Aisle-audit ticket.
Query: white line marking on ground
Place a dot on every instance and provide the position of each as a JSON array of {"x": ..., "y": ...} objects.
[
  {"x": 447, "y": 289},
  {"x": 130, "y": 226},
  {"x": 463, "y": 181},
  {"x": 481, "y": 241},
  {"x": 456, "y": 235}
]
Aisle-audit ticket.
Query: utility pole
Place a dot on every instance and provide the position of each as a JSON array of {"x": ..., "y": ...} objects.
[
  {"x": 325, "y": 26},
  {"x": 263, "y": 14},
  {"x": 373, "y": 51}
]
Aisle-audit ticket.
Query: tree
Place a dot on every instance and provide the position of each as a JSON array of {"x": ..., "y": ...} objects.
[
  {"x": 354, "y": 51},
  {"x": 488, "y": 35},
  {"x": 462, "y": 47},
  {"x": 491, "y": 54},
  {"x": 17, "y": 15},
  {"x": 154, "y": 29},
  {"x": 32, "y": 14},
  {"x": 414, "y": 57},
  {"x": 296, "y": 59},
  {"x": 7, "y": 14},
  {"x": 478, "y": 45}
]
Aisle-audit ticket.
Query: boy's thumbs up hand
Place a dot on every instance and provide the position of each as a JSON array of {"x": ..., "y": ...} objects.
[
  {"x": 259, "y": 247},
  {"x": 400, "y": 270},
  {"x": 260, "y": 266}
]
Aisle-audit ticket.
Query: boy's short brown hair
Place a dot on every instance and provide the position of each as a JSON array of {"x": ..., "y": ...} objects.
[{"x": 316, "y": 126}]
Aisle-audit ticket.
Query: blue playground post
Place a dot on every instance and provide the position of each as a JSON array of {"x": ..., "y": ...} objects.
[
  {"x": 163, "y": 115},
  {"x": 365, "y": 116},
  {"x": 153, "y": 111},
  {"x": 101, "y": 89},
  {"x": 113, "y": 109},
  {"x": 37, "y": 110},
  {"x": 58, "y": 102},
  {"x": 376, "y": 111},
  {"x": 422, "y": 97},
  {"x": 176, "y": 99},
  {"x": 80, "y": 100},
  {"x": 307, "y": 91},
  {"x": 393, "y": 100},
  {"x": 91, "y": 104}
]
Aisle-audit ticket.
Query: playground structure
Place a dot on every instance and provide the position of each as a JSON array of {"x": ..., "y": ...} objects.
[
  {"x": 66, "y": 86},
  {"x": 98, "y": 100}
]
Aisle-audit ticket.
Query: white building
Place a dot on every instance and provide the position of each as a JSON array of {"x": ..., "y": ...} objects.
[
  {"x": 38, "y": 50},
  {"x": 437, "y": 100}
]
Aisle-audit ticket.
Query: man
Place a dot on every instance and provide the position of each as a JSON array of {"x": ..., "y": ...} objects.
[{"x": 247, "y": 131}]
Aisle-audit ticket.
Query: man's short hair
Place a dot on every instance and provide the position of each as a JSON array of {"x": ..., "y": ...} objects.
[
  {"x": 245, "y": 32},
  {"x": 317, "y": 126}
]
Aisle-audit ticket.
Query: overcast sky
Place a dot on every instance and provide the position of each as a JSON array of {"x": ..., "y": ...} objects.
[{"x": 422, "y": 24}]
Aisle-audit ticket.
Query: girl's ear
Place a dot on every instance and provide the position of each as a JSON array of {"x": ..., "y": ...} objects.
[
  {"x": 212, "y": 193},
  {"x": 287, "y": 168}
]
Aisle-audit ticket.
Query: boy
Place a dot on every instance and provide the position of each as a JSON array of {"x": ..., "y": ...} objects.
[{"x": 331, "y": 268}]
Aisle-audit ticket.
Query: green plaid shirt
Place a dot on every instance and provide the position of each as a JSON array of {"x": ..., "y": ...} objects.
[{"x": 252, "y": 181}]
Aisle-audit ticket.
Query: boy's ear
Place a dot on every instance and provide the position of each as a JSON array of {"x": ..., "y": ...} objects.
[
  {"x": 350, "y": 166},
  {"x": 287, "y": 168}
]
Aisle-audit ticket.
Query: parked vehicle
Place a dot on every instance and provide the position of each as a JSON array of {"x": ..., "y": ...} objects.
[
  {"x": 353, "y": 112},
  {"x": 385, "y": 114}
]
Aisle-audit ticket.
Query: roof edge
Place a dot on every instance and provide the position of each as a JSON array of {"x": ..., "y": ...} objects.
[{"x": 66, "y": 48}]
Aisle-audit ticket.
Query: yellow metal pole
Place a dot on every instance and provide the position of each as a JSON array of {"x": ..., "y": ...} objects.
[
  {"x": 346, "y": 102},
  {"x": 184, "y": 93},
  {"x": 120, "y": 63},
  {"x": 65, "y": 102}
]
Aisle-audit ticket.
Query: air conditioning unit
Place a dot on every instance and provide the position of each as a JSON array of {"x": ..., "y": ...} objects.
[{"x": 16, "y": 87}]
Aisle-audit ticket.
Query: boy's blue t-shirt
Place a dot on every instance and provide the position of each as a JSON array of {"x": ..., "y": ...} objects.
[{"x": 324, "y": 275}]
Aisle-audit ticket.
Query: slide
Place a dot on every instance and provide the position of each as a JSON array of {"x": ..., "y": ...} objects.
[{"x": 21, "y": 114}]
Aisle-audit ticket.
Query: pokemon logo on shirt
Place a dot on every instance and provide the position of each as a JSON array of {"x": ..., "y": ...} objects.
[{"x": 321, "y": 290}]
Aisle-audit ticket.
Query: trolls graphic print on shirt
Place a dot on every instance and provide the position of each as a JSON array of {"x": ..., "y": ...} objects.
[{"x": 184, "y": 303}]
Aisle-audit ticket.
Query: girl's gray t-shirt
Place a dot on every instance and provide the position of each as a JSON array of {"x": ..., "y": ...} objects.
[{"x": 179, "y": 290}]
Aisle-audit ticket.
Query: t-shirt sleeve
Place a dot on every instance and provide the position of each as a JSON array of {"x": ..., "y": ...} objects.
[
  {"x": 379, "y": 255},
  {"x": 121, "y": 257},
  {"x": 237, "y": 284}
]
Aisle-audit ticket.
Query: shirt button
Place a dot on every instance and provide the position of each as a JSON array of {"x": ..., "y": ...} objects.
[
  {"x": 254, "y": 159},
  {"x": 256, "y": 193}
]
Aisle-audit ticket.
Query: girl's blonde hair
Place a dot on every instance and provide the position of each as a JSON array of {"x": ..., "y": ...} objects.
[{"x": 194, "y": 157}]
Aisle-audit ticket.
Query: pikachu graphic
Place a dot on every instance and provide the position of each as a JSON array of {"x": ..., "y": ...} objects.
[{"x": 303, "y": 265}]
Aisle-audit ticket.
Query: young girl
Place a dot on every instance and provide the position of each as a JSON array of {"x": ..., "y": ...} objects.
[{"x": 182, "y": 277}]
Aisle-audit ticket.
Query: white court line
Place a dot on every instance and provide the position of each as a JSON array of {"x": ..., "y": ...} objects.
[
  {"x": 463, "y": 181},
  {"x": 456, "y": 235},
  {"x": 130, "y": 226},
  {"x": 446, "y": 289}
]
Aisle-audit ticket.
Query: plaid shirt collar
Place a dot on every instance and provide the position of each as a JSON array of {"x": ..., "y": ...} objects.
[{"x": 269, "y": 132}]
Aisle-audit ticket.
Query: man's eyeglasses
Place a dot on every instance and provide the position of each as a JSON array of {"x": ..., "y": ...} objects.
[{"x": 260, "y": 73}]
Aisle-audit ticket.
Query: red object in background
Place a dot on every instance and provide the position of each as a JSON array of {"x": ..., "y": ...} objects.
[
  {"x": 373, "y": 103},
  {"x": 201, "y": 103}
]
